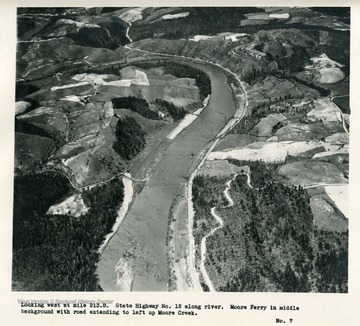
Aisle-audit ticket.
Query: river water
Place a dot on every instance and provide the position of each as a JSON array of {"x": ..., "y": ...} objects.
[{"x": 140, "y": 241}]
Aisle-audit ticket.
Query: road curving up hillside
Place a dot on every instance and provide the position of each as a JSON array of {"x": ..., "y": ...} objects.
[{"x": 138, "y": 250}]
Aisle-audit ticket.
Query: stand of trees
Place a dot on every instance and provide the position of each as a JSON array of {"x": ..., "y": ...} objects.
[
  {"x": 176, "y": 113},
  {"x": 134, "y": 104},
  {"x": 130, "y": 138},
  {"x": 269, "y": 241},
  {"x": 59, "y": 252}
]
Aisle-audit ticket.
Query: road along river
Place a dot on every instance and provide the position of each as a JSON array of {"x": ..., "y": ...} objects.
[{"x": 138, "y": 249}]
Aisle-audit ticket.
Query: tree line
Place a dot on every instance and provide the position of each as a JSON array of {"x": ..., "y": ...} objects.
[{"x": 59, "y": 252}]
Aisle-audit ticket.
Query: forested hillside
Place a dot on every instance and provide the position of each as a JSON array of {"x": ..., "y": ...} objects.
[
  {"x": 269, "y": 241},
  {"x": 59, "y": 252}
]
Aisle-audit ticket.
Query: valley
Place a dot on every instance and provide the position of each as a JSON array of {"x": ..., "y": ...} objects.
[{"x": 190, "y": 129}]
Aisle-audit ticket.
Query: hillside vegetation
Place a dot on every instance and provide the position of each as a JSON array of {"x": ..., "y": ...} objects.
[
  {"x": 59, "y": 252},
  {"x": 269, "y": 241}
]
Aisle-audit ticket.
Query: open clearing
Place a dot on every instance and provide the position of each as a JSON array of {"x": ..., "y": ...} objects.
[
  {"x": 265, "y": 151},
  {"x": 325, "y": 70},
  {"x": 340, "y": 196},
  {"x": 174, "y": 16},
  {"x": 132, "y": 15},
  {"x": 326, "y": 110},
  {"x": 21, "y": 106},
  {"x": 198, "y": 38},
  {"x": 235, "y": 37},
  {"x": 74, "y": 205}
]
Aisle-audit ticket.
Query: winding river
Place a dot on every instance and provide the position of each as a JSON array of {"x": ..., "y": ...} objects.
[{"x": 141, "y": 240}]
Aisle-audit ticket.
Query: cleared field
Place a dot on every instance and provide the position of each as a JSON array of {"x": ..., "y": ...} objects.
[
  {"x": 73, "y": 205},
  {"x": 326, "y": 110},
  {"x": 330, "y": 75},
  {"x": 324, "y": 70},
  {"x": 138, "y": 78},
  {"x": 21, "y": 106},
  {"x": 198, "y": 38},
  {"x": 132, "y": 15},
  {"x": 265, "y": 151},
  {"x": 174, "y": 16},
  {"x": 306, "y": 173},
  {"x": 340, "y": 196},
  {"x": 235, "y": 37},
  {"x": 220, "y": 168},
  {"x": 265, "y": 127},
  {"x": 325, "y": 215}
]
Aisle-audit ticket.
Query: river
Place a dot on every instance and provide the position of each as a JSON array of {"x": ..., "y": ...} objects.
[{"x": 140, "y": 242}]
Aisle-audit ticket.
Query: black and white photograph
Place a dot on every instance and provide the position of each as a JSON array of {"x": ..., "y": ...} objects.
[{"x": 184, "y": 150}]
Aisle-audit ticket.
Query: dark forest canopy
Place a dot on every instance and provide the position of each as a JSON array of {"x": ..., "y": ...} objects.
[{"x": 59, "y": 252}]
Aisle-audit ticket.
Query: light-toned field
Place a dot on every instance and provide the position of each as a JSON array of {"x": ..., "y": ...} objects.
[
  {"x": 174, "y": 16},
  {"x": 132, "y": 15},
  {"x": 324, "y": 70},
  {"x": 331, "y": 75},
  {"x": 198, "y": 38},
  {"x": 265, "y": 151},
  {"x": 138, "y": 78},
  {"x": 73, "y": 205},
  {"x": 340, "y": 196},
  {"x": 235, "y": 37},
  {"x": 76, "y": 23},
  {"x": 284, "y": 15},
  {"x": 326, "y": 110},
  {"x": 72, "y": 98},
  {"x": 323, "y": 61},
  {"x": 21, "y": 106},
  {"x": 123, "y": 274}
]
